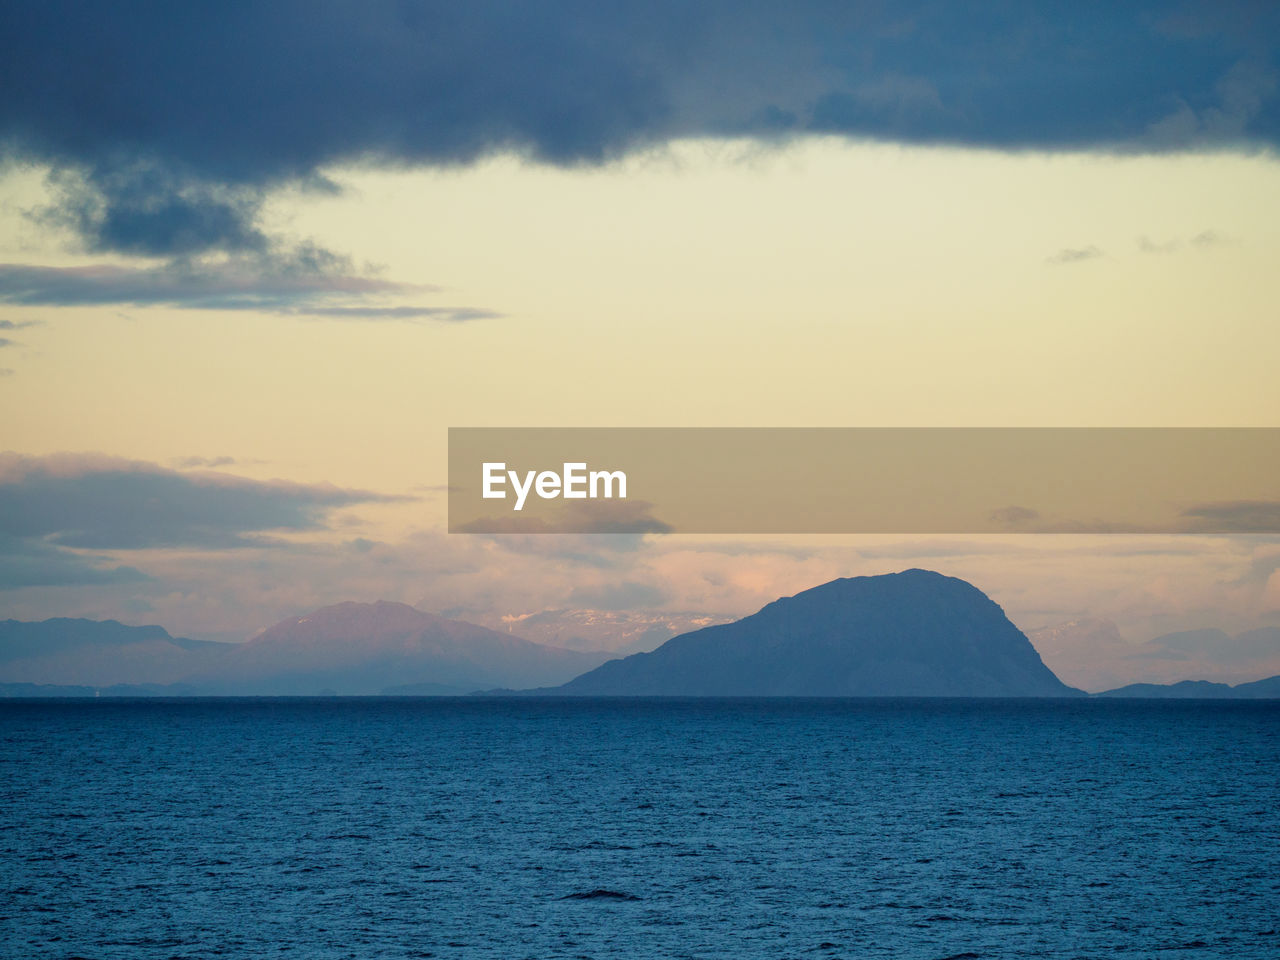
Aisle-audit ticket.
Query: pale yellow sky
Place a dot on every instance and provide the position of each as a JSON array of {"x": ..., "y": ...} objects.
[
  {"x": 827, "y": 283},
  {"x": 823, "y": 284}
]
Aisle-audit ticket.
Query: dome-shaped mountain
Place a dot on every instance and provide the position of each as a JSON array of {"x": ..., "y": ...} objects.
[{"x": 915, "y": 633}]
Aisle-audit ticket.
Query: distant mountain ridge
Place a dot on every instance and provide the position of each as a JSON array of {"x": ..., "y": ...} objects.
[
  {"x": 372, "y": 648},
  {"x": 1266, "y": 689},
  {"x": 915, "y": 633},
  {"x": 346, "y": 648},
  {"x": 98, "y": 653}
]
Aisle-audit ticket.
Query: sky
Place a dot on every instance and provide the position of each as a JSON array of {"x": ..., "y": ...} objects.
[{"x": 255, "y": 260}]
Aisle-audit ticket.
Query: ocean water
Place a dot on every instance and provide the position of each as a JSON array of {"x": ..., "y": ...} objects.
[{"x": 326, "y": 828}]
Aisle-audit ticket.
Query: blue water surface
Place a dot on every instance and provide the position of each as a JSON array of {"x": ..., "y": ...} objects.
[{"x": 512, "y": 828}]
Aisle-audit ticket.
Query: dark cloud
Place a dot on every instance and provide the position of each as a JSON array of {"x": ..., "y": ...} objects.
[
  {"x": 308, "y": 287},
  {"x": 33, "y": 563},
  {"x": 166, "y": 123},
  {"x": 6, "y": 342},
  {"x": 145, "y": 209},
  {"x": 104, "y": 503},
  {"x": 1076, "y": 255},
  {"x": 18, "y": 325},
  {"x": 1234, "y": 516}
]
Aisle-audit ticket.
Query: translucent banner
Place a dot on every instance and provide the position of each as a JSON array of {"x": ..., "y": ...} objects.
[{"x": 864, "y": 480}]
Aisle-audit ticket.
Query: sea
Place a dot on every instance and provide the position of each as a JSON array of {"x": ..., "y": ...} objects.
[{"x": 640, "y": 828}]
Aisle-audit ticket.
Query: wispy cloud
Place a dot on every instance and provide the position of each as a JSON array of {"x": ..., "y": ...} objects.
[
  {"x": 1147, "y": 245},
  {"x": 236, "y": 284},
  {"x": 1208, "y": 238},
  {"x": 1075, "y": 255},
  {"x": 1202, "y": 240},
  {"x": 447, "y": 314},
  {"x": 188, "y": 463}
]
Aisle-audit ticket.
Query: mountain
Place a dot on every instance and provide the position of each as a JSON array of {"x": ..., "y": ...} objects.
[
  {"x": 1192, "y": 689},
  {"x": 348, "y": 648},
  {"x": 99, "y": 653},
  {"x": 915, "y": 633},
  {"x": 1267, "y": 689},
  {"x": 372, "y": 648}
]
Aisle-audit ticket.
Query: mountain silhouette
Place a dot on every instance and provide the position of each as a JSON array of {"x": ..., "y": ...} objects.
[
  {"x": 346, "y": 648},
  {"x": 99, "y": 653},
  {"x": 1267, "y": 689},
  {"x": 385, "y": 647},
  {"x": 915, "y": 633}
]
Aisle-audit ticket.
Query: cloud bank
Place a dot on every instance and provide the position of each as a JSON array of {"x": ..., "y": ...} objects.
[
  {"x": 96, "y": 502},
  {"x": 32, "y": 563},
  {"x": 166, "y": 123}
]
